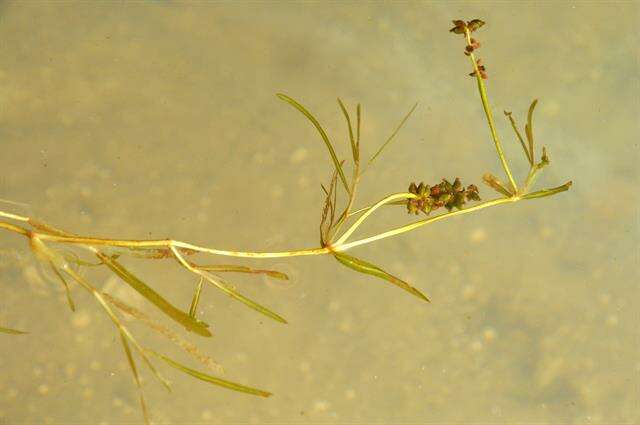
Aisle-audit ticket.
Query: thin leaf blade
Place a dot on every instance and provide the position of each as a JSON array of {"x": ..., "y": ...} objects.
[
  {"x": 358, "y": 122},
  {"x": 519, "y": 136},
  {"x": 362, "y": 266},
  {"x": 352, "y": 140},
  {"x": 244, "y": 269},
  {"x": 72, "y": 306},
  {"x": 395, "y": 132},
  {"x": 529, "y": 129},
  {"x": 190, "y": 323},
  {"x": 193, "y": 309},
  {"x": 548, "y": 192},
  {"x": 322, "y": 133},
  {"x": 10, "y": 331},
  {"x": 212, "y": 379},
  {"x": 134, "y": 371},
  {"x": 222, "y": 285}
]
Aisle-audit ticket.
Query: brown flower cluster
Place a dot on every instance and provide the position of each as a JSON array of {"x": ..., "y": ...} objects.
[
  {"x": 466, "y": 28},
  {"x": 444, "y": 194},
  {"x": 461, "y": 26},
  {"x": 481, "y": 69}
]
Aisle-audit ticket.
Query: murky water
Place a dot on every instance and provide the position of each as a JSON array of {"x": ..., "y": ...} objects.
[{"x": 158, "y": 119}]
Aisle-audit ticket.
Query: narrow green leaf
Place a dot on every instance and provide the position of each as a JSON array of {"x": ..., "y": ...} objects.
[
  {"x": 193, "y": 310},
  {"x": 519, "y": 136},
  {"x": 121, "y": 328},
  {"x": 529, "y": 129},
  {"x": 73, "y": 258},
  {"x": 12, "y": 331},
  {"x": 42, "y": 251},
  {"x": 370, "y": 269},
  {"x": 226, "y": 288},
  {"x": 243, "y": 269},
  {"x": 212, "y": 379},
  {"x": 190, "y": 323},
  {"x": 354, "y": 147},
  {"x": 323, "y": 134},
  {"x": 548, "y": 192},
  {"x": 328, "y": 210},
  {"x": 359, "y": 121},
  {"x": 384, "y": 145},
  {"x": 132, "y": 363},
  {"x": 134, "y": 370},
  {"x": 165, "y": 332},
  {"x": 65, "y": 284}
]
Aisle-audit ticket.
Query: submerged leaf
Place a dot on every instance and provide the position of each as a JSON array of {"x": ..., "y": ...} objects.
[
  {"x": 528, "y": 128},
  {"x": 65, "y": 284},
  {"x": 225, "y": 287},
  {"x": 384, "y": 145},
  {"x": 45, "y": 253},
  {"x": 219, "y": 283},
  {"x": 358, "y": 122},
  {"x": 548, "y": 192},
  {"x": 134, "y": 371},
  {"x": 165, "y": 332},
  {"x": 354, "y": 146},
  {"x": 244, "y": 269},
  {"x": 212, "y": 379},
  {"x": 328, "y": 211},
  {"x": 519, "y": 136},
  {"x": 190, "y": 323},
  {"x": 193, "y": 309},
  {"x": 12, "y": 331},
  {"x": 368, "y": 268},
  {"x": 323, "y": 134}
]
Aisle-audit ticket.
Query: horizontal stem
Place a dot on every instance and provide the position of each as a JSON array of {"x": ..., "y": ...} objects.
[
  {"x": 63, "y": 237},
  {"x": 276, "y": 254},
  {"x": 168, "y": 243}
]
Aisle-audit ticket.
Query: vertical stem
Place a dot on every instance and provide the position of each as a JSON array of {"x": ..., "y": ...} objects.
[{"x": 489, "y": 114}]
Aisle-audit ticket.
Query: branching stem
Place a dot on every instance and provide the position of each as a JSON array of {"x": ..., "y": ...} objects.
[{"x": 489, "y": 114}]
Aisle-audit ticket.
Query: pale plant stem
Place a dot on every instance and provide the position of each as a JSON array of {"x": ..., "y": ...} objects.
[
  {"x": 339, "y": 245},
  {"x": 363, "y": 217},
  {"x": 489, "y": 115},
  {"x": 420, "y": 223},
  {"x": 170, "y": 243},
  {"x": 13, "y": 216},
  {"x": 14, "y": 228},
  {"x": 244, "y": 254},
  {"x": 159, "y": 243}
]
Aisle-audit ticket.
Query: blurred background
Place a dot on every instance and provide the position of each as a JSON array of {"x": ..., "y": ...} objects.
[{"x": 156, "y": 119}]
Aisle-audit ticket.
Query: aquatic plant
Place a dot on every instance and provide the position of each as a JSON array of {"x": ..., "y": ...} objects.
[{"x": 336, "y": 228}]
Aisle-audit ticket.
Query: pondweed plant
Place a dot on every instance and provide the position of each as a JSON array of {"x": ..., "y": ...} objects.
[{"x": 337, "y": 225}]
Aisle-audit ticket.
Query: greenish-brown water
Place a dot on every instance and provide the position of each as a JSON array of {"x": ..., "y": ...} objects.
[{"x": 156, "y": 119}]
